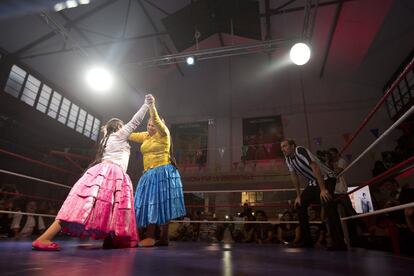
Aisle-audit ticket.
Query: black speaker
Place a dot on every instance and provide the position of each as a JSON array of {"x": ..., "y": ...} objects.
[{"x": 207, "y": 17}]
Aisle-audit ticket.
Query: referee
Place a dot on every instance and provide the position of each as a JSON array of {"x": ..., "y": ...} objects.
[{"x": 320, "y": 188}]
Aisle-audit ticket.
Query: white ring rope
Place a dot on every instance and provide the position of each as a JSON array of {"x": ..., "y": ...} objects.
[
  {"x": 241, "y": 191},
  {"x": 244, "y": 222},
  {"x": 382, "y": 211},
  {"x": 186, "y": 192},
  {"x": 35, "y": 178},
  {"x": 402, "y": 118},
  {"x": 28, "y": 214},
  {"x": 185, "y": 221}
]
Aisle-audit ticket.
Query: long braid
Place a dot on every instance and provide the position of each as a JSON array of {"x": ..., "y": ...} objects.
[
  {"x": 101, "y": 149},
  {"x": 172, "y": 155},
  {"x": 110, "y": 127}
]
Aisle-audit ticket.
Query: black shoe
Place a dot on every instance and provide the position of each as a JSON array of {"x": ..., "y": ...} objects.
[
  {"x": 301, "y": 245},
  {"x": 161, "y": 243},
  {"x": 108, "y": 243},
  {"x": 342, "y": 247}
]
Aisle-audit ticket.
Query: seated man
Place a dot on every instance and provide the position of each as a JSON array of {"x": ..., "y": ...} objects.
[
  {"x": 23, "y": 226},
  {"x": 262, "y": 232}
]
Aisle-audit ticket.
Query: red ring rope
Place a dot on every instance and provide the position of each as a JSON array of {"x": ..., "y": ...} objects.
[
  {"x": 378, "y": 105},
  {"x": 37, "y": 162}
]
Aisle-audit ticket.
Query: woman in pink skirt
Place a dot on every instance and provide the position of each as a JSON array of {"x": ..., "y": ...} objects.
[{"x": 100, "y": 204}]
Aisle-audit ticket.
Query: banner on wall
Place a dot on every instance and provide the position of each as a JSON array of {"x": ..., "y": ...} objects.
[
  {"x": 318, "y": 141},
  {"x": 190, "y": 142},
  {"x": 261, "y": 137}
]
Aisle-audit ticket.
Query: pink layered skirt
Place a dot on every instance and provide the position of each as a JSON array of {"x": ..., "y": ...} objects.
[{"x": 100, "y": 205}]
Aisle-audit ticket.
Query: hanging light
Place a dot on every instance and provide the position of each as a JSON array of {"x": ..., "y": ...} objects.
[
  {"x": 300, "y": 53},
  {"x": 99, "y": 79},
  {"x": 190, "y": 60}
]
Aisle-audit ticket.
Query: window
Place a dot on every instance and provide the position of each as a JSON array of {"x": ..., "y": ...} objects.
[
  {"x": 34, "y": 92},
  {"x": 391, "y": 107},
  {"x": 88, "y": 125},
  {"x": 95, "y": 129},
  {"x": 15, "y": 81},
  {"x": 405, "y": 93},
  {"x": 252, "y": 197},
  {"x": 30, "y": 91},
  {"x": 410, "y": 79},
  {"x": 81, "y": 121},
  {"x": 54, "y": 105},
  {"x": 44, "y": 98},
  {"x": 64, "y": 110},
  {"x": 74, "y": 110}
]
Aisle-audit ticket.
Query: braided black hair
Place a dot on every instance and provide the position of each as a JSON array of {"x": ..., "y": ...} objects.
[{"x": 112, "y": 126}]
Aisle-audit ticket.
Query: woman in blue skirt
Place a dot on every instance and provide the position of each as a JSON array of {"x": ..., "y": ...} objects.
[{"x": 159, "y": 194}]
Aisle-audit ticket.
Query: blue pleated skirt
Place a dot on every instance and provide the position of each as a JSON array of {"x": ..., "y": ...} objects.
[{"x": 159, "y": 196}]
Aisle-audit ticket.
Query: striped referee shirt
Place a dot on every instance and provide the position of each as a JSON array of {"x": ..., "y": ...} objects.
[{"x": 299, "y": 162}]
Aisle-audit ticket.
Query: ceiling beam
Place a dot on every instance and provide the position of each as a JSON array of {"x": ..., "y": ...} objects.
[
  {"x": 79, "y": 31},
  {"x": 67, "y": 25},
  {"x": 95, "y": 45},
  {"x": 330, "y": 37},
  {"x": 126, "y": 19},
  {"x": 279, "y": 11},
  {"x": 157, "y": 7},
  {"x": 154, "y": 26}
]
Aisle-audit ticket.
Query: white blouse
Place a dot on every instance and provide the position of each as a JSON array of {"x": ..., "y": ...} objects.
[{"x": 117, "y": 148}]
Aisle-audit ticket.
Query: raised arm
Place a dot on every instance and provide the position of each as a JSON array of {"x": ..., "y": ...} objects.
[
  {"x": 129, "y": 127},
  {"x": 159, "y": 124}
]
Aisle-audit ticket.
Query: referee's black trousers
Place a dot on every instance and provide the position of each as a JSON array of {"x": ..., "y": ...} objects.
[{"x": 311, "y": 195}]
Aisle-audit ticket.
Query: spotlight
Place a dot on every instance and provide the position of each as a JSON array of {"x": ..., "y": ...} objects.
[
  {"x": 300, "y": 53},
  {"x": 190, "y": 60},
  {"x": 71, "y": 4},
  {"x": 99, "y": 79},
  {"x": 227, "y": 217},
  {"x": 59, "y": 6}
]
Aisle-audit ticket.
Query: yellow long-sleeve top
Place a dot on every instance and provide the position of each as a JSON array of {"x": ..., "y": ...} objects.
[{"x": 156, "y": 148}]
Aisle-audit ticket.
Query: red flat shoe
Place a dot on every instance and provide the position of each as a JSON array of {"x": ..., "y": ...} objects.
[
  {"x": 37, "y": 245},
  {"x": 148, "y": 242}
]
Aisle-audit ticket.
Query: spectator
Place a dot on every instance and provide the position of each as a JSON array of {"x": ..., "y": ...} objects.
[
  {"x": 262, "y": 232},
  {"x": 286, "y": 232},
  {"x": 407, "y": 196},
  {"x": 247, "y": 228},
  {"x": 237, "y": 231},
  {"x": 24, "y": 226},
  {"x": 315, "y": 229},
  {"x": 5, "y": 220},
  {"x": 208, "y": 231},
  {"x": 379, "y": 168}
]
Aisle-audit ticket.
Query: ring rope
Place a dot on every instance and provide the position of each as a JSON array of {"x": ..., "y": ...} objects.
[
  {"x": 37, "y": 162},
  {"x": 378, "y": 105},
  {"x": 384, "y": 175},
  {"x": 35, "y": 178},
  {"x": 382, "y": 211},
  {"x": 245, "y": 222},
  {"x": 402, "y": 118},
  {"x": 31, "y": 196},
  {"x": 240, "y": 191},
  {"x": 28, "y": 214}
]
